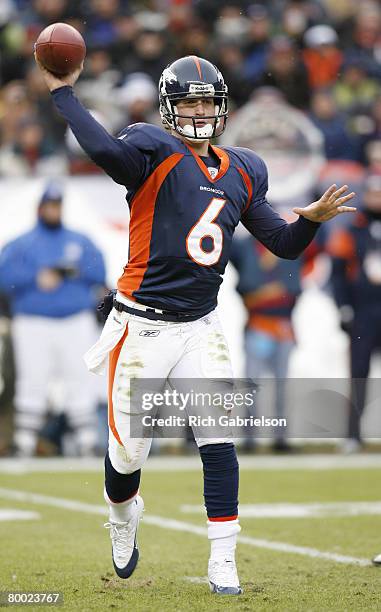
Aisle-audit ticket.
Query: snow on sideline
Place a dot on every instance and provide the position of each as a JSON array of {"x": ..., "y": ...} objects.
[
  {"x": 175, "y": 525},
  {"x": 187, "y": 464}
]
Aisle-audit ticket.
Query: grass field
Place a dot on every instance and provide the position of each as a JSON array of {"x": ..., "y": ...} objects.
[{"x": 67, "y": 549}]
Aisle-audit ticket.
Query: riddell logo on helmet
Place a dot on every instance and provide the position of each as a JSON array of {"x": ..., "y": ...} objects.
[{"x": 196, "y": 88}]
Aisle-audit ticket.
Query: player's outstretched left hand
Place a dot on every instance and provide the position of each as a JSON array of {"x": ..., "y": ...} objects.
[{"x": 330, "y": 204}]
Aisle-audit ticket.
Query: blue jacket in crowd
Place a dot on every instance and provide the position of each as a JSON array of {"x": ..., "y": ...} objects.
[{"x": 79, "y": 263}]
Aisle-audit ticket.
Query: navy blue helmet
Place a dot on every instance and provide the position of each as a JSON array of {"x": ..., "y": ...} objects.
[{"x": 193, "y": 77}]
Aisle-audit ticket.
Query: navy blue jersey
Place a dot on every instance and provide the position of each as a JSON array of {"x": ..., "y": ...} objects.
[{"x": 181, "y": 219}]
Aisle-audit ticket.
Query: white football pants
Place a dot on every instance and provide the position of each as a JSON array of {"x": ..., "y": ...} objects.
[{"x": 143, "y": 349}]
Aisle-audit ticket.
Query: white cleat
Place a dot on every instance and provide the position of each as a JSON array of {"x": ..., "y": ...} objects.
[
  {"x": 223, "y": 577},
  {"x": 377, "y": 560},
  {"x": 125, "y": 553}
]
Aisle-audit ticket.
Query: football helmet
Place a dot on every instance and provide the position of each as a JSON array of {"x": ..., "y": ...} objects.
[{"x": 193, "y": 77}]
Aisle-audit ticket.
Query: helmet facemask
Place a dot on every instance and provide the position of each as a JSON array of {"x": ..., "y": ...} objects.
[{"x": 170, "y": 115}]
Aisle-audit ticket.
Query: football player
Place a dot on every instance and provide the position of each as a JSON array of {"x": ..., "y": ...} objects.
[{"x": 186, "y": 197}]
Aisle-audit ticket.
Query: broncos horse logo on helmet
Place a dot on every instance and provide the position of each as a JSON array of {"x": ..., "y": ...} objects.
[{"x": 193, "y": 77}]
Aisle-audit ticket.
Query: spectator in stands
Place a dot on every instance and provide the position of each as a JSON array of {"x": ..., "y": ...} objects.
[
  {"x": 96, "y": 87},
  {"x": 355, "y": 92},
  {"x": 257, "y": 42},
  {"x": 101, "y": 30},
  {"x": 49, "y": 274},
  {"x": 230, "y": 58},
  {"x": 297, "y": 17},
  {"x": 356, "y": 282},
  {"x": 54, "y": 127},
  {"x": 150, "y": 54},
  {"x": 137, "y": 98},
  {"x": 366, "y": 38},
  {"x": 195, "y": 40},
  {"x": 15, "y": 106},
  {"x": 338, "y": 142},
  {"x": 286, "y": 72},
  {"x": 32, "y": 152},
  {"x": 322, "y": 57}
]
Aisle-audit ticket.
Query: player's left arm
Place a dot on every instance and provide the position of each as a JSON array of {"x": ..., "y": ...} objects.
[{"x": 289, "y": 240}]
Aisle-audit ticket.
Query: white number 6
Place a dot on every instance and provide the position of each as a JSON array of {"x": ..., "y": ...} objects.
[{"x": 206, "y": 228}]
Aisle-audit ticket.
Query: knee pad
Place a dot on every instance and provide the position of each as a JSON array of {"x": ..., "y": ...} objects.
[
  {"x": 119, "y": 487},
  {"x": 131, "y": 458}
]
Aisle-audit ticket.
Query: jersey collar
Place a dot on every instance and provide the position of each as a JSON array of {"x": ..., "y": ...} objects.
[{"x": 222, "y": 156}]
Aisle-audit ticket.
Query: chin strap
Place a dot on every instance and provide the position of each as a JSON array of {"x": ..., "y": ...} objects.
[{"x": 194, "y": 133}]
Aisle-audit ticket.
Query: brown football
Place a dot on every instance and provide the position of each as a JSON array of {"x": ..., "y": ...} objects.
[{"x": 60, "y": 48}]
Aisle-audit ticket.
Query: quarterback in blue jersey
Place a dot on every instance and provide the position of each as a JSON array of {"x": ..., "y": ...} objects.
[{"x": 186, "y": 198}]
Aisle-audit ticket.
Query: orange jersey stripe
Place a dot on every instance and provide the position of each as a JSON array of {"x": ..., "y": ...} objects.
[
  {"x": 142, "y": 211},
  {"x": 249, "y": 187},
  {"x": 113, "y": 360}
]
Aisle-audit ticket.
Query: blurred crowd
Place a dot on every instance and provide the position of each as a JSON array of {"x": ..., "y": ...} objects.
[{"x": 323, "y": 55}]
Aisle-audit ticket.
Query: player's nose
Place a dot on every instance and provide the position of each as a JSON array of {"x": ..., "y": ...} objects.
[{"x": 200, "y": 107}]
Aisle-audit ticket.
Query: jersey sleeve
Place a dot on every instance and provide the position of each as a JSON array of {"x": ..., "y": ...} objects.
[
  {"x": 286, "y": 240},
  {"x": 123, "y": 158}
]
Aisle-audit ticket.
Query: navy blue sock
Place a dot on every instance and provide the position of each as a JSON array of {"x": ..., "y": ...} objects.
[
  {"x": 220, "y": 480},
  {"x": 120, "y": 487}
]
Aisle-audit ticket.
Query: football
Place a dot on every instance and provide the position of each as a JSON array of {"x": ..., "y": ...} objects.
[{"x": 60, "y": 48}]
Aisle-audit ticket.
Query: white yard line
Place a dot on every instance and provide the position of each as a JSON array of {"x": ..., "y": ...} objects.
[
  {"x": 197, "y": 579},
  {"x": 175, "y": 525},
  {"x": 56, "y": 502},
  {"x": 10, "y": 514},
  {"x": 180, "y": 464}
]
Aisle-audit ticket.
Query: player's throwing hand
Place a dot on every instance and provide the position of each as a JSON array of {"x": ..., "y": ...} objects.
[
  {"x": 330, "y": 204},
  {"x": 53, "y": 81}
]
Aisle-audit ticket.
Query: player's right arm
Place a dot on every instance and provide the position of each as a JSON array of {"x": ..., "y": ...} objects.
[{"x": 125, "y": 163}]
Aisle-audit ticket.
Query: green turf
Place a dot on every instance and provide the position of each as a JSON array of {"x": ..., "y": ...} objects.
[{"x": 69, "y": 551}]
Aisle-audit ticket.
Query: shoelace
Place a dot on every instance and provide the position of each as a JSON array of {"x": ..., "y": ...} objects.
[
  {"x": 226, "y": 571},
  {"x": 119, "y": 534}
]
